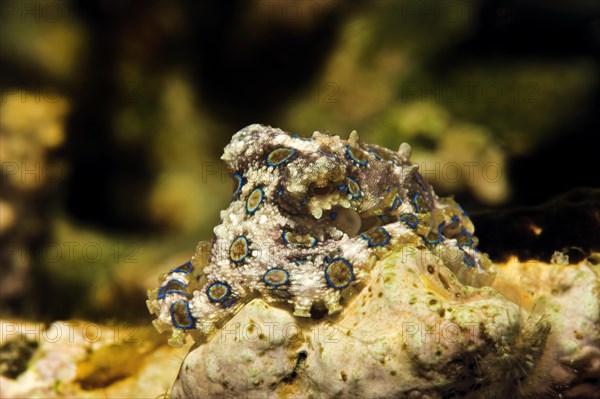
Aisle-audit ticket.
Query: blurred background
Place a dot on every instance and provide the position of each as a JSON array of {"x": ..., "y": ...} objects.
[{"x": 114, "y": 115}]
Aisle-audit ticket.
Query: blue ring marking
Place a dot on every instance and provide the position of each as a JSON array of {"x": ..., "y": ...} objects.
[
  {"x": 415, "y": 205},
  {"x": 185, "y": 268},
  {"x": 229, "y": 302},
  {"x": 375, "y": 154},
  {"x": 327, "y": 154},
  {"x": 441, "y": 227},
  {"x": 377, "y": 244},
  {"x": 436, "y": 241},
  {"x": 276, "y": 269},
  {"x": 291, "y": 154},
  {"x": 188, "y": 314},
  {"x": 358, "y": 162},
  {"x": 295, "y": 136},
  {"x": 405, "y": 217},
  {"x": 247, "y": 249},
  {"x": 286, "y": 241},
  {"x": 240, "y": 184},
  {"x": 396, "y": 203},
  {"x": 452, "y": 225},
  {"x": 420, "y": 181},
  {"x": 342, "y": 187},
  {"x": 358, "y": 195},
  {"x": 468, "y": 259},
  {"x": 462, "y": 210},
  {"x": 469, "y": 235},
  {"x": 333, "y": 215},
  {"x": 455, "y": 220},
  {"x": 331, "y": 283},
  {"x": 284, "y": 238},
  {"x": 218, "y": 284},
  {"x": 299, "y": 261},
  {"x": 262, "y": 197},
  {"x": 281, "y": 191},
  {"x": 303, "y": 202},
  {"x": 165, "y": 289}
]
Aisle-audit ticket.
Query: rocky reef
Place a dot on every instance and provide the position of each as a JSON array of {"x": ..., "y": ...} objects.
[
  {"x": 415, "y": 331},
  {"x": 392, "y": 301},
  {"x": 82, "y": 359}
]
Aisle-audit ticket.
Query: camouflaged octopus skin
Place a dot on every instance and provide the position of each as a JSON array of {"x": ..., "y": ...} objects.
[{"x": 308, "y": 219}]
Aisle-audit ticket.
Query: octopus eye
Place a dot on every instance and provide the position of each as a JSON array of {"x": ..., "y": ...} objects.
[{"x": 325, "y": 190}]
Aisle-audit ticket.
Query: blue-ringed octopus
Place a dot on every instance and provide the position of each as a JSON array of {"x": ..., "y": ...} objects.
[{"x": 308, "y": 219}]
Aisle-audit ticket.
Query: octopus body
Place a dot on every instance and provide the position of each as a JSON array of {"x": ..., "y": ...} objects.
[{"x": 308, "y": 219}]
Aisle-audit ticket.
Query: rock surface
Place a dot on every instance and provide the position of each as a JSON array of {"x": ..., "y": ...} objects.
[
  {"x": 414, "y": 331},
  {"x": 78, "y": 359}
]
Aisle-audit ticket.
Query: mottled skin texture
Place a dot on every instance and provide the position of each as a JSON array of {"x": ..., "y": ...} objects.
[{"x": 308, "y": 218}]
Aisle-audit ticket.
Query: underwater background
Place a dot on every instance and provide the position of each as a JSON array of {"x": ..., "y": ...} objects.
[{"x": 114, "y": 115}]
